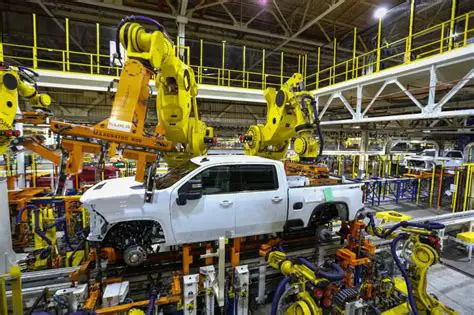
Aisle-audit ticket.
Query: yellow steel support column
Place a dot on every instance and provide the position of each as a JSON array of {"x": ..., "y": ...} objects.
[
  {"x": 305, "y": 67},
  {"x": 223, "y": 62},
  {"x": 334, "y": 61},
  {"x": 3, "y": 297},
  {"x": 441, "y": 42},
  {"x": 318, "y": 67},
  {"x": 469, "y": 187},
  {"x": 188, "y": 56},
  {"x": 455, "y": 193},
  {"x": 35, "y": 44},
  {"x": 398, "y": 164},
  {"x": 281, "y": 68},
  {"x": 353, "y": 165},
  {"x": 433, "y": 174},
  {"x": 354, "y": 53},
  {"x": 17, "y": 297},
  {"x": 451, "y": 24},
  {"x": 390, "y": 166},
  {"x": 379, "y": 40},
  {"x": 466, "y": 187},
  {"x": 466, "y": 28},
  {"x": 243, "y": 67},
  {"x": 367, "y": 166},
  {"x": 410, "y": 32},
  {"x": 264, "y": 79},
  {"x": 67, "y": 44},
  {"x": 200, "y": 61},
  {"x": 440, "y": 188},
  {"x": 1, "y": 47},
  {"x": 97, "y": 35},
  {"x": 33, "y": 169}
]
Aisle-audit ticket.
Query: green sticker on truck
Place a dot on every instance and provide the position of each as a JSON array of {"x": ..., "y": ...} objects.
[{"x": 328, "y": 194}]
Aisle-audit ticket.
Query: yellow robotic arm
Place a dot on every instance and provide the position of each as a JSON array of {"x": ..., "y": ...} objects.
[
  {"x": 290, "y": 114},
  {"x": 176, "y": 85},
  {"x": 16, "y": 81}
]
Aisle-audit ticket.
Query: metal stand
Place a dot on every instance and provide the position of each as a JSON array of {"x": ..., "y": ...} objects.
[
  {"x": 191, "y": 286},
  {"x": 242, "y": 289},
  {"x": 262, "y": 277},
  {"x": 210, "y": 287},
  {"x": 221, "y": 271},
  {"x": 7, "y": 255}
]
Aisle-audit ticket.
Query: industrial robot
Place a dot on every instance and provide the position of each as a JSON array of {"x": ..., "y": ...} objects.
[
  {"x": 154, "y": 54},
  {"x": 15, "y": 81},
  {"x": 361, "y": 280},
  {"x": 180, "y": 133},
  {"x": 291, "y": 113}
]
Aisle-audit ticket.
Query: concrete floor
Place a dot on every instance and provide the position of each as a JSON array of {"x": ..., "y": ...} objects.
[{"x": 452, "y": 287}]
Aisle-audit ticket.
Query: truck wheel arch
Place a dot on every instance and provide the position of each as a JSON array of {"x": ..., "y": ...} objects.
[
  {"x": 116, "y": 225},
  {"x": 325, "y": 212}
]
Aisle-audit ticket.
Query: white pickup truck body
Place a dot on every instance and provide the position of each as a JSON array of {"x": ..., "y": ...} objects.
[
  {"x": 240, "y": 196},
  {"x": 430, "y": 157}
]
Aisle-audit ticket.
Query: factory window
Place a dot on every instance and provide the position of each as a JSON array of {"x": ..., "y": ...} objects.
[
  {"x": 219, "y": 180},
  {"x": 258, "y": 177}
]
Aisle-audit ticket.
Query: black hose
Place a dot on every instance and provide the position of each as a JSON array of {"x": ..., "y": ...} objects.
[
  {"x": 393, "y": 247},
  {"x": 318, "y": 129},
  {"x": 278, "y": 293},
  {"x": 386, "y": 233},
  {"x": 336, "y": 274}
]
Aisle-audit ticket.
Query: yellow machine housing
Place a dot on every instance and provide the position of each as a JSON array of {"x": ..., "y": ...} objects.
[
  {"x": 177, "y": 90},
  {"x": 12, "y": 84},
  {"x": 290, "y": 114},
  {"x": 304, "y": 304}
]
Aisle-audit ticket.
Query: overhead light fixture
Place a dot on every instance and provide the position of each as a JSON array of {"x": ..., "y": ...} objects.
[
  {"x": 380, "y": 13},
  {"x": 262, "y": 2}
]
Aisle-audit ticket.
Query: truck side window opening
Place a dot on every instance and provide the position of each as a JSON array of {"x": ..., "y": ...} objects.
[
  {"x": 258, "y": 177},
  {"x": 174, "y": 175},
  {"x": 219, "y": 180},
  {"x": 454, "y": 154}
]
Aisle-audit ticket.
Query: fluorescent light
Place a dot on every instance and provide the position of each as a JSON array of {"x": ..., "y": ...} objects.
[{"x": 380, "y": 13}]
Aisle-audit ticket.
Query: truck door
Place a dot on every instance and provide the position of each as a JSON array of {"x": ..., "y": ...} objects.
[
  {"x": 211, "y": 216},
  {"x": 261, "y": 204}
]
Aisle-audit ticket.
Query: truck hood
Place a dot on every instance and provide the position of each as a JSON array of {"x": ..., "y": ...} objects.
[{"x": 119, "y": 192}]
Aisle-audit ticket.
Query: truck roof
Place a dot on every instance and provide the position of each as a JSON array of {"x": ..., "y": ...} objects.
[{"x": 201, "y": 160}]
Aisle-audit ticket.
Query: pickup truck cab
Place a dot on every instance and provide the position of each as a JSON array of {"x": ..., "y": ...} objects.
[
  {"x": 429, "y": 157},
  {"x": 207, "y": 198}
]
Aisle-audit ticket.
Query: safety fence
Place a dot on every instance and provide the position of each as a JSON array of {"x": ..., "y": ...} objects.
[
  {"x": 230, "y": 65},
  {"x": 387, "y": 178}
]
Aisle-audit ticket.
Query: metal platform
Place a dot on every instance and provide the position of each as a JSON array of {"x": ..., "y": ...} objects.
[
  {"x": 449, "y": 71},
  {"x": 443, "y": 75},
  {"x": 101, "y": 83}
]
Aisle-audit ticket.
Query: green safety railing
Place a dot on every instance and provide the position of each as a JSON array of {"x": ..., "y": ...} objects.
[{"x": 434, "y": 40}]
